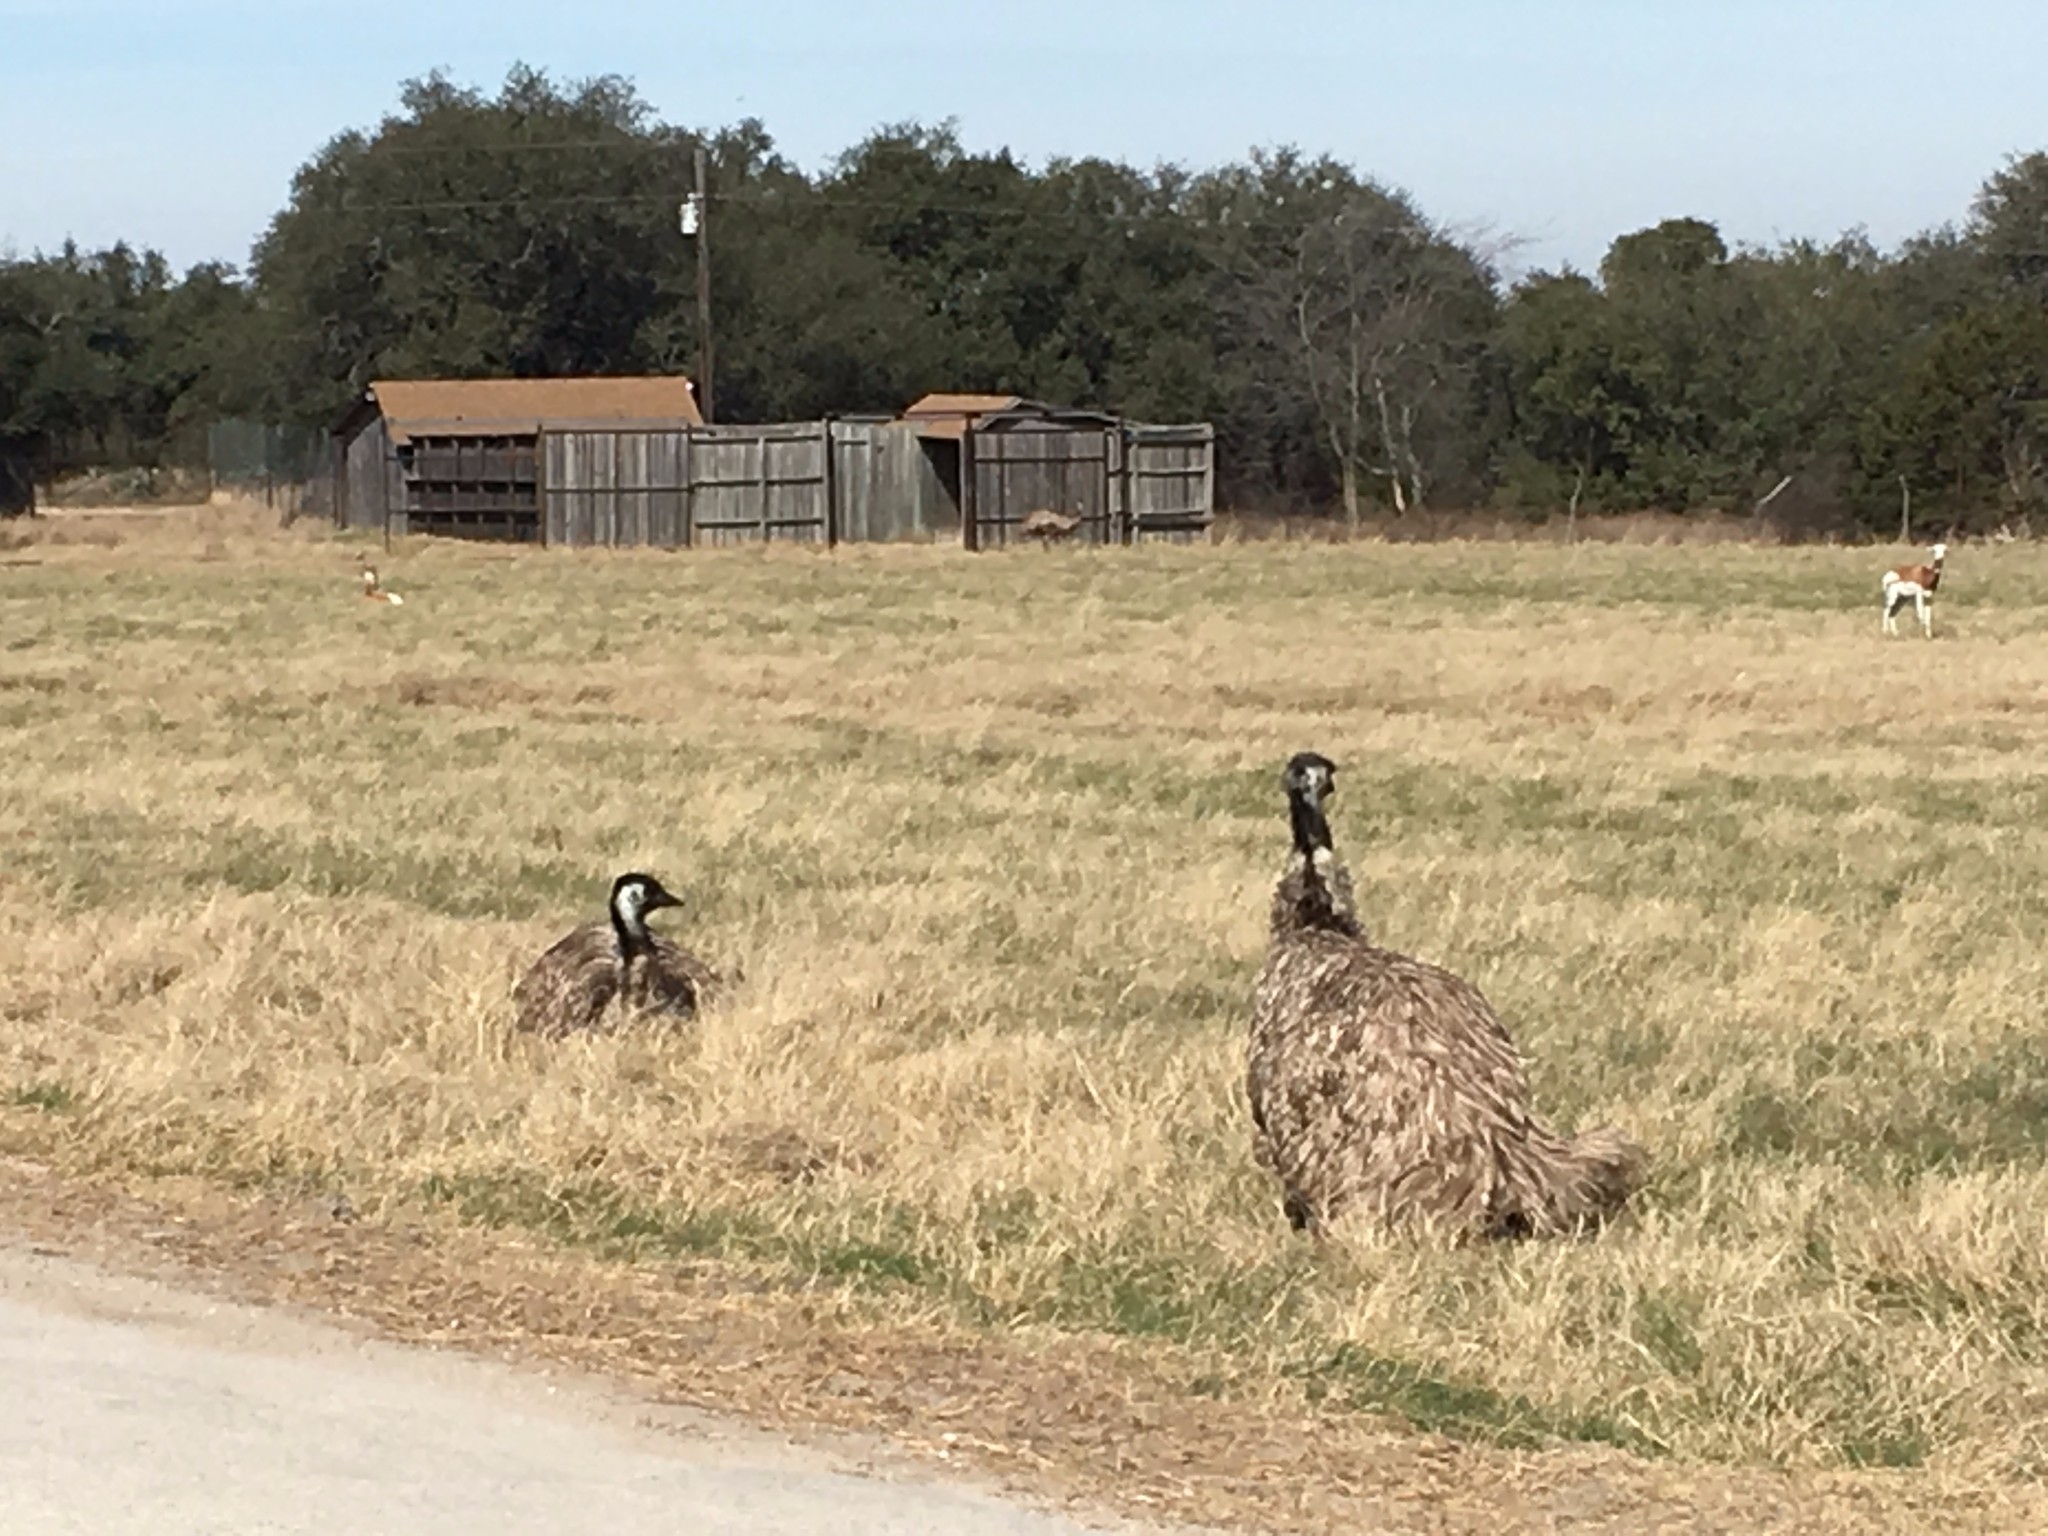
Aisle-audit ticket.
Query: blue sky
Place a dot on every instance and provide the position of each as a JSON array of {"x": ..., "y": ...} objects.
[{"x": 1562, "y": 122}]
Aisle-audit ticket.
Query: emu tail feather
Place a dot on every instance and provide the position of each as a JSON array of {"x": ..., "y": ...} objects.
[{"x": 1560, "y": 1186}]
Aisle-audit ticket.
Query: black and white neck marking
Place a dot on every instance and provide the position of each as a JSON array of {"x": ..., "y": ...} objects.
[
  {"x": 1309, "y": 779},
  {"x": 633, "y": 897}
]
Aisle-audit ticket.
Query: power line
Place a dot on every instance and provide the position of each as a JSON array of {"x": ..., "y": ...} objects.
[
  {"x": 638, "y": 146},
  {"x": 794, "y": 202},
  {"x": 798, "y": 200}
]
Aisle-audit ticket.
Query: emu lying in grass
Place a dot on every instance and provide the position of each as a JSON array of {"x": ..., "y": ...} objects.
[
  {"x": 1383, "y": 1086},
  {"x": 621, "y": 960}
]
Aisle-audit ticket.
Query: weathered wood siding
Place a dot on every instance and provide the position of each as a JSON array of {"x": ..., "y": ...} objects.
[
  {"x": 1022, "y": 469},
  {"x": 738, "y": 485},
  {"x": 887, "y": 487},
  {"x": 1170, "y": 475},
  {"x": 472, "y": 487},
  {"x": 869, "y": 482},
  {"x": 615, "y": 488},
  {"x": 373, "y": 485},
  {"x": 755, "y": 484}
]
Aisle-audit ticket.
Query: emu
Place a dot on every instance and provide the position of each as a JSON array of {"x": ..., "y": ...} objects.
[
  {"x": 573, "y": 983},
  {"x": 1384, "y": 1086},
  {"x": 1046, "y": 525},
  {"x": 1914, "y": 584}
]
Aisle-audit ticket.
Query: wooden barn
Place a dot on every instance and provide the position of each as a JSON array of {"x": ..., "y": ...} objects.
[
  {"x": 462, "y": 457},
  {"x": 627, "y": 462}
]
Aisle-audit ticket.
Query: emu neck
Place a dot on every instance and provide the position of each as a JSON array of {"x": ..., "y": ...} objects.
[
  {"x": 1311, "y": 830},
  {"x": 1314, "y": 896},
  {"x": 1315, "y": 893},
  {"x": 632, "y": 935}
]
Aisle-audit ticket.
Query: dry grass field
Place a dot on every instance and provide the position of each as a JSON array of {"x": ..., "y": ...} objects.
[{"x": 991, "y": 838}]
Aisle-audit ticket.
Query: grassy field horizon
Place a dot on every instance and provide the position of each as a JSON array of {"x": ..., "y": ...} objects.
[{"x": 991, "y": 838}]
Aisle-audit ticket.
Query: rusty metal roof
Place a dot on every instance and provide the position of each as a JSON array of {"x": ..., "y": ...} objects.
[
  {"x": 517, "y": 407},
  {"x": 942, "y": 404},
  {"x": 950, "y": 415}
]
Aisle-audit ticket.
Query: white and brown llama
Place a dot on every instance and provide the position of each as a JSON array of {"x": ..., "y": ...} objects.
[{"x": 1913, "y": 584}]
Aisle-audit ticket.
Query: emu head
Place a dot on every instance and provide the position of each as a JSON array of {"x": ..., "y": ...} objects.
[
  {"x": 1310, "y": 779},
  {"x": 633, "y": 897},
  {"x": 1315, "y": 893}
]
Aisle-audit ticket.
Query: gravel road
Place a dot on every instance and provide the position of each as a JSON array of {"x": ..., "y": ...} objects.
[{"x": 134, "y": 1407}]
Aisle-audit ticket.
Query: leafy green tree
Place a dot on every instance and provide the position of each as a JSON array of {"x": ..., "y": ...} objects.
[
  {"x": 1575, "y": 411},
  {"x": 86, "y": 371},
  {"x": 1365, "y": 326},
  {"x": 1966, "y": 426},
  {"x": 522, "y": 234},
  {"x": 2009, "y": 225}
]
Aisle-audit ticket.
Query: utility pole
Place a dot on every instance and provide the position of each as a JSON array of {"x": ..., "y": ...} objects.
[{"x": 701, "y": 203}]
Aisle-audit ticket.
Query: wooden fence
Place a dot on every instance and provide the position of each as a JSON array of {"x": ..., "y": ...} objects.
[
  {"x": 1170, "y": 480},
  {"x": 858, "y": 481},
  {"x": 1127, "y": 484},
  {"x": 806, "y": 482},
  {"x": 1007, "y": 475}
]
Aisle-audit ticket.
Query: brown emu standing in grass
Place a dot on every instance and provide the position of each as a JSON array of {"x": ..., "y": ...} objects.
[
  {"x": 1046, "y": 526},
  {"x": 580, "y": 976},
  {"x": 1383, "y": 1085}
]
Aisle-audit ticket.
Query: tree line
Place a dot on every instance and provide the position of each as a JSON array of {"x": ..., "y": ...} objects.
[{"x": 1355, "y": 353}]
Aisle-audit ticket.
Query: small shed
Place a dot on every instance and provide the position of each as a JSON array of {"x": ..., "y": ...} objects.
[
  {"x": 993, "y": 460},
  {"x": 462, "y": 457}
]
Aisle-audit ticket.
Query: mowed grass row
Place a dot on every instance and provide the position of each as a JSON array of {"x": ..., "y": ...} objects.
[{"x": 992, "y": 839}]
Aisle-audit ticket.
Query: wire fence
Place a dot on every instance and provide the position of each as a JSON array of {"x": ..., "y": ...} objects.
[{"x": 291, "y": 468}]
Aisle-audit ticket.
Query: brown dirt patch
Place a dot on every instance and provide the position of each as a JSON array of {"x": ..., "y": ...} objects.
[{"x": 1093, "y": 1423}]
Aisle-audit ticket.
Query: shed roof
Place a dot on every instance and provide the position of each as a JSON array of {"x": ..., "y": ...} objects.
[
  {"x": 949, "y": 415},
  {"x": 943, "y": 404},
  {"x": 517, "y": 407}
]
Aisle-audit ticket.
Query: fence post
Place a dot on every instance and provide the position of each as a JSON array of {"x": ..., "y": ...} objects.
[
  {"x": 831, "y": 489},
  {"x": 540, "y": 483},
  {"x": 687, "y": 463},
  {"x": 618, "y": 518},
  {"x": 1127, "y": 517},
  {"x": 970, "y": 510}
]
